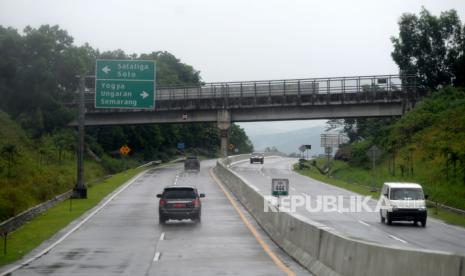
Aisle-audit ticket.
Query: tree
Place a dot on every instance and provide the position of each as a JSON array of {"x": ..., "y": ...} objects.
[
  {"x": 239, "y": 139},
  {"x": 62, "y": 141},
  {"x": 432, "y": 48},
  {"x": 10, "y": 152}
]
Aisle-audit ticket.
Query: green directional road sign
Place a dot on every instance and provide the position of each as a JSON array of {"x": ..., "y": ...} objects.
[{"x": 125, "y": 84}]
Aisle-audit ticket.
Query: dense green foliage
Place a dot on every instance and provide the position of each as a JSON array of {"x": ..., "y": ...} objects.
[
  {"x": 432, "y": 48},
  {"x": 427, "y": 144},
  {"x": 32, "y": 171},
  {"x": 38, "y": 70},
  {"x": 239, "y": 139}
]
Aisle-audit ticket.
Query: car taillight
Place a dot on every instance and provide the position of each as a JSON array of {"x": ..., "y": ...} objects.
[
  {"x": 196, "y": 202},
  {"x": 162, "y": 202}
]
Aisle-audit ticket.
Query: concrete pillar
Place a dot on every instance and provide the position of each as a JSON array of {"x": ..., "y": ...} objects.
[
  {"x": 224, "y": 145},
  {"x": 224, "y": 123}
]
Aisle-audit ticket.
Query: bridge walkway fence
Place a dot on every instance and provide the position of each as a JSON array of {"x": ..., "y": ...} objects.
[{"x": 290, "y": 92}]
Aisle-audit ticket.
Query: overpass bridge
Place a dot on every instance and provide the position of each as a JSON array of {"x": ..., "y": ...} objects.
[
  {"x": 272, "y": 100},
  {"x": 292, "y": 99}
]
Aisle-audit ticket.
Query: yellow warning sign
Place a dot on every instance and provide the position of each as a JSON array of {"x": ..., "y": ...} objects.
[{"x": 124, "y": 150}]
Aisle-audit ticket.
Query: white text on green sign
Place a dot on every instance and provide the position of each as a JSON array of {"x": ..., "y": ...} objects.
[
  {"x": 125, "y": 84},
  {"x": 122, "y": 94},
  {"x": 279, "y": 186},
  {"x": 125, "y": 69}
]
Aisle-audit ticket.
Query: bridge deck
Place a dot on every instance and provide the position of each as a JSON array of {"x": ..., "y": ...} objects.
[{"x": 296, "y": 92}]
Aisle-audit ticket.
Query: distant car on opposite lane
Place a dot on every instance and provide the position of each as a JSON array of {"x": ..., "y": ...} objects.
[
  {"x": 257, "y": 157},
  {"x": 180, "y": 202}
]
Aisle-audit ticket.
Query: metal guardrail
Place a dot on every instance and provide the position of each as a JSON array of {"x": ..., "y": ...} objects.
[{"x": 290, "y": 92}]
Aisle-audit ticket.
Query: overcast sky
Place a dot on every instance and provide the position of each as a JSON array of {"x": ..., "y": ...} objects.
[{"x": 239, "y": 39}]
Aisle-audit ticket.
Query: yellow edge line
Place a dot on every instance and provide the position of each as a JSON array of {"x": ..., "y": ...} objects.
[{"x": 252, "y": 229}]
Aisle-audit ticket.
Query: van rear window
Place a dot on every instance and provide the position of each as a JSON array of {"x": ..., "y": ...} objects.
[
  {"x": 406, "y": 194},
  {"x": 179, "y": 193}
]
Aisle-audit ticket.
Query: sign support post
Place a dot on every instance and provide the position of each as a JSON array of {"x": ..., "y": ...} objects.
[{"x": 80, "y": 191}]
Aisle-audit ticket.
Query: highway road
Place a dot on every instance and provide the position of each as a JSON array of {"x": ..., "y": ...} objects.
[
  {"x": 124, "y": 237},
  {"x": 363, "y": 225}
]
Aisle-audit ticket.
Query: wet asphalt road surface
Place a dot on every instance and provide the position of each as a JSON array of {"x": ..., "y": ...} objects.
[
  {"x": 359, "y": 225},
  {"x": 125, "y": 238}
]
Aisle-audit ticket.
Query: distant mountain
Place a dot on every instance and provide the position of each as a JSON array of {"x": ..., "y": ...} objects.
[{"x": 289, "y": 141}]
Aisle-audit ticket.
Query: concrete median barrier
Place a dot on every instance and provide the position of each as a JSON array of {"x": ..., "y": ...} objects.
[{"x": 324, "y": 251}]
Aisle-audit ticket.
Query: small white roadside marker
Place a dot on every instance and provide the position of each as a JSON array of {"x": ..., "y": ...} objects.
[{"x": 156, "y": 258}]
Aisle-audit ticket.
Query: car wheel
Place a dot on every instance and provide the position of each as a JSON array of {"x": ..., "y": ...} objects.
[
  {"x": 197, "y": 218},
  {"x": 161, "y": 219},
  {"x": 383, "y": 220},
  {"x": 389, "y": 220},
  {"x": 423, "y": 223},
  {"x": 261, "y": 162}
]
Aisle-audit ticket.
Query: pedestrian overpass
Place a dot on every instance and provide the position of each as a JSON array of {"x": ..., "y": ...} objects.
[{"x": 272, "y": 100}]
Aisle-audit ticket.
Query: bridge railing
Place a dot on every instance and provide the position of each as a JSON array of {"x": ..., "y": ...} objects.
[
  {"x": 384, "y": 83},
  {"x": 282, "y": 92}
]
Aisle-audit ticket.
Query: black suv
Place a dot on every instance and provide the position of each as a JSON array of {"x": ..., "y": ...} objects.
[{"x": 179, "y": 202}]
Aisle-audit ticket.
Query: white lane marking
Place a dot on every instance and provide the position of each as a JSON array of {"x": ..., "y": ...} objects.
[
  {"x": 156, "y": 258},
  {"x": 396, "y": 238},
  {"x": 176, "y": 179},
  {"x": 362, "y": 222},
  {"x": 91, "y": 215},
  {"x": 162, "y": 236}
]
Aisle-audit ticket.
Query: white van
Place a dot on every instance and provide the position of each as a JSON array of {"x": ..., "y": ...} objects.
[{"x": 403, "y": 202}]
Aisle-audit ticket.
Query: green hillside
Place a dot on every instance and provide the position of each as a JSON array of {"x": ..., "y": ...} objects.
[
  {"x": 426, "y": 145},
  {"x": 34, "y": 171}
]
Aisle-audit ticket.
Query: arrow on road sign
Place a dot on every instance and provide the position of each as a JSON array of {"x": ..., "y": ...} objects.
[
  {"x": 106, "y": 69},
  {"x": 144, "y": 94}
]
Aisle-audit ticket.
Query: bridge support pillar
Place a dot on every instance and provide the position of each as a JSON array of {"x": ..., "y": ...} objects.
[{"x": 224, "y": 123}]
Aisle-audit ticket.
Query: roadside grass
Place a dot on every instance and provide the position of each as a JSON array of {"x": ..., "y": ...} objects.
[
  {"x": 355, "y": 179},
  {"x": 41, "y": 228},
  {"x": 446, "y": 216}
]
